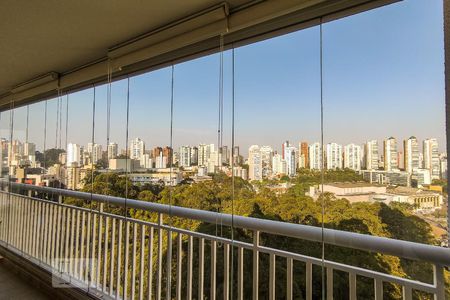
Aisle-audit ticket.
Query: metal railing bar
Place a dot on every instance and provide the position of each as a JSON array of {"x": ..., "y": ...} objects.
[{"x": 410, "y": 250}]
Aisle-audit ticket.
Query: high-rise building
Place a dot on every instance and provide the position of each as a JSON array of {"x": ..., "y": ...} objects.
[
  {"x": 157, "y": 151},
  {"x": 15, "y": 151},
  {"x": 73, "y": 175},
  {"x": 283, "y": 149},
  {"x": 278, "y": 165},
  {"x": 113, "y": 150},
  {"x": 185, "y": 156},
  {"x": 168, "y": 154},
  {"x": 290, "y": 156},
  {"x": 204, "y": 153},
  {"x": 431, "y": 157},
  {"x": 137, "y": 148},
  {"x": 73, "y": 154},
  {"x": 304, "y": 155},
  {"x": 266, "y": 158},
  {"x": 94, "y": 152},
  {"x": 29, "y": 149},
  {"x": 146, "y": 162},
  {"x": 225, "y": 155},
  {"x": 390, "y": 154},
  {"x": 236, "y": 156},
  {"x": 334, "y": 156},
  {"x": 371, "y": 153},
  {"x": 315, "y": 156},
  {"x": 411, "y": 154},
  {"x": 254, "y": 163},
  {"x": 214, "y": 160},
  {"x": 97, "y": 153},
  {"x": 194, "y": 156},
  {"x": 352, "y": 157},
  {"x": 161, "y": 161}
]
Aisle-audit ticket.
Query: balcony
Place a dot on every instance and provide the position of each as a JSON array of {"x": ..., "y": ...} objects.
[
  {"x": 114, "y": 256},
  {"x": 152, "y": 160}
]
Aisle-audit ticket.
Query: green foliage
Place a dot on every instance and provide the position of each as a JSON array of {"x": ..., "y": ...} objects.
[{"x": 49, "y": 157}]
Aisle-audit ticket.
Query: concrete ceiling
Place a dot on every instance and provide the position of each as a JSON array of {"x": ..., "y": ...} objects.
[{"x": 37, "y": 37}]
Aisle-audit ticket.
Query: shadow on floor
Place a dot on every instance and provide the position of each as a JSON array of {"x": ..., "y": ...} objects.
[{"x": 13, "y": 287}]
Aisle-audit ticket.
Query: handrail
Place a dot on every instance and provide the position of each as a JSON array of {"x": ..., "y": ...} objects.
[{"x": 400, "y": 248}]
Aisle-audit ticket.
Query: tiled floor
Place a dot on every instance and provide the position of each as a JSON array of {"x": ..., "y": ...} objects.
[{"x": 13, "y": 287}]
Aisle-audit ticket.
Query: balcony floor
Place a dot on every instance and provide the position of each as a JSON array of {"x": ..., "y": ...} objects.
[{"x": 12, "y": 286}]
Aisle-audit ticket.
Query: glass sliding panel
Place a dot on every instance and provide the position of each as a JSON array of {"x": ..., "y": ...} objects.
[
  {"x": 277, "y": 98},
  {"x": 16, "y": 150},
  {"x": 79, "y": 134},
  {"x": 384, "y": 131}
]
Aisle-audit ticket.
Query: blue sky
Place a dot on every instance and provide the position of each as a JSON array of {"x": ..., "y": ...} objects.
[{"x": 383, "y": 76}]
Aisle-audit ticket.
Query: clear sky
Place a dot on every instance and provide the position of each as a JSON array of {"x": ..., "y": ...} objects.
[{"x": 383, "y": 75}]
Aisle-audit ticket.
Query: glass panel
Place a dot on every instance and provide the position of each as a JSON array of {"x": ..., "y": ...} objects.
[
  {"x": 384, "y": 121},
  {"x": 278, "y": 134}
]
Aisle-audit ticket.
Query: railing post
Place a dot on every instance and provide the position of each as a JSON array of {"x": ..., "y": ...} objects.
[
  {"x": 159, "y": 265},
  {"x": 119, "y": 258},
  {"x": 179, "y": 265},
  {"x": 352, "y": 285},
  {"x": 105, "y": 253},
  {"x": 308, "y": 280},
  {"x": 255, "y": 264},
  {"x": 189, "y": 267},
  {"x": 226, "y": 275},
  {"x": 329, "y": 283},
  {"x": 240, "y": 279},
  {"x": 112, "y": 257},
  {"x": 141, "y": 263},
  {"x": 289, "y": 271},
  {"x": 133, "y": 261},
  {"x": 213, "y": 269},
  {"x": 150, "y": 263},
  {"x": 439, "y": 282},
  {"x": 126, "y": 258},
  {"x": 407, "y": 292},
  {"x": 99, "y": 246},
  {"x": 272, "y": 272},
  {"x": 201, "y": 267},
  {"x": 378, "y": 284},
  {"x": 169, "y": 266}
]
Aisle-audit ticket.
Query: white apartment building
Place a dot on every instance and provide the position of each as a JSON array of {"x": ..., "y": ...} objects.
[
  {"x": 278, "y": 165},
  {"x": 334, "y": 156},
  {"x": 254, "y": 163},
  {"x": 137, "y": 148},
  {"x": 146, "y": 162},
  {"x": 315, "y": 156},
  {"x": 352, "y": 157},
  {"x": 266, "y": 158},
  {"x": 204, "y": 153},
  {"x": 113, "y": 150},
  {"x": 290, "y": 156},
  {"x": 185, "y": 156},
  {"x": 73, "y": 154},
  {"x": 371, "y": 153},
  {"x": 411, "y": 149},
  {"x": 390, "y": 154},
  {"x": 431, "y": 157}
]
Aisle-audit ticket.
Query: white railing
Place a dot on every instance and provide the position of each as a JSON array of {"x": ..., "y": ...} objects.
[{"x": 123, "y": 258}]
